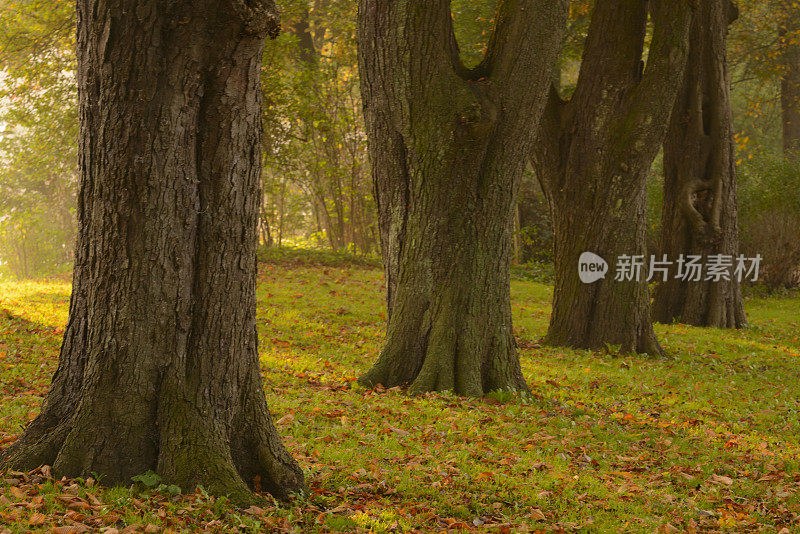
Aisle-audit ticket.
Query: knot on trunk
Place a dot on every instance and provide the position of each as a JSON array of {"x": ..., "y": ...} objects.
[
  {"x": 479, "y": 113},
  {"x": 709, "y": 235},
  {"x": 260, "y": 17},
  {"x": 700, "y": 205}
]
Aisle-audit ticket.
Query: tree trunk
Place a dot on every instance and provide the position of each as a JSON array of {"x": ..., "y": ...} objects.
[
  {"x": 790, "y": 81},
  {"x": 516, "y": 230},
  {"x": 159, "y": 366},
  {"x": 447, "y": 147},
  {"x": 700, "y": 208},
  {"x": 593, "y": 158}
]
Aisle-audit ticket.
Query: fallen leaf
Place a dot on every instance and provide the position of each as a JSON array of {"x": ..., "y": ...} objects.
[
  {"x": 538, "y": 515},
  {"x": 255, "y": 511},
  {"x": 721, "y": 479}
]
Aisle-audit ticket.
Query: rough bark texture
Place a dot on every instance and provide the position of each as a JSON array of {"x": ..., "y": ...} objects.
[
  {"x": 700, "y": 209},
  {"x": 159, "y": 368},
  {"x": 593, "y": 157},
  {"x": 790, "y": 81},
  {"x": 447, "y": 147}
]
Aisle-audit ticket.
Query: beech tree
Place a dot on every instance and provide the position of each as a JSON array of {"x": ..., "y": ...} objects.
[
  {"x": 699, "y": 214},
  {"x": 593, "y": 158},
  {"x": 159, "y": 366},
  {"x": 448, "y": 145}
]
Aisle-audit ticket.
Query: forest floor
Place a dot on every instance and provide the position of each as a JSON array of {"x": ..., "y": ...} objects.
[{"x": 705, "y": 440}]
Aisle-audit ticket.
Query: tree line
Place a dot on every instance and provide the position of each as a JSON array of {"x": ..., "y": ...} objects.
[{"x": 317, "y": 189}]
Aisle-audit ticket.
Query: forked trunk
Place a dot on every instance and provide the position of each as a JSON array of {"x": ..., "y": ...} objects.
[
  {"x": 699, "y": 215},
  {"x": 159, "y": 365},
  {"x": 593, "y": 158},
  {"x": 447, "y": 147},
  {"x": 450, "y": 324}
]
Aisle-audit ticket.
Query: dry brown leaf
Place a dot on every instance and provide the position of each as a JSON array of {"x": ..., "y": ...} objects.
[
  {"x": 71, "y": 529},
  {"x": 538, "y": 515},
  {"x": 286, "y": 419},
  {"x": 254, "y": 510},
  {"x": 721, "y": 479}
]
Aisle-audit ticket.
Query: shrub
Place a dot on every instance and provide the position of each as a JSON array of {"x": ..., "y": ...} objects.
[{"x": 769, "y": 217}]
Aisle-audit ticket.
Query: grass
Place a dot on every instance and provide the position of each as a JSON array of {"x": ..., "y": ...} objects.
[{"x": 706, "y": 440}]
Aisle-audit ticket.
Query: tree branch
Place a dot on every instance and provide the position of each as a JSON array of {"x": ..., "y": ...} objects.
[
  {"x": 545, "y": 156},
  {"x": 524, "y": 29},
  {"x": 651, "y": 102}
]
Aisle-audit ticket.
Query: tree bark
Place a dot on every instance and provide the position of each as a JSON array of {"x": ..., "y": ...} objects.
[
  {"x": 700, "y": 208},
  {"x": 593, "y": 157},
  {"x": 159, "y": 366},
  {"x": 447, "y": 147}
]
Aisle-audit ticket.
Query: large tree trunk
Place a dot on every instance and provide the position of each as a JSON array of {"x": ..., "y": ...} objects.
[
  {"x": 700, "y": 209},
  {"x": 159, "y": 365},
  {"x": 790, "y": 80},
  {"x": 447, "y": 147},
  {"x": 593, "y": 159}
]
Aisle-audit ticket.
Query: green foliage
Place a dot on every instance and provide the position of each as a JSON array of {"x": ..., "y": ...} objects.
[
  {"x": 757, "y": 46},
  {"x": 473, "y": 22},
  {"x": 534, "y": 271},
  {"x": 535, "y": 234},
  {"x": 612, "y": 350},
  {"x": 316, "y": 178},
  {"x": 152, "y": 481},
  {"x": 767, "y": 182},
  {"x": 148, "y": 479}
]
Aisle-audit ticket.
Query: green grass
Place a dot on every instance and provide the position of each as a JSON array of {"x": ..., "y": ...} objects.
[
  {"x": 289, "y": 256},
  {"x": 706, "y": 440}
]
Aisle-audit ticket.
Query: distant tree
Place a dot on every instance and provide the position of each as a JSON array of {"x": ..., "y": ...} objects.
[
  {"x": 159, "y": 366},
  {"x": 448, "y": 146},
  {"x": 593, "y": 157},
  {"x": 699, "y": 214},
  {"x": 789, "y": 39},
  {"x": 764, "y": 55}
]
